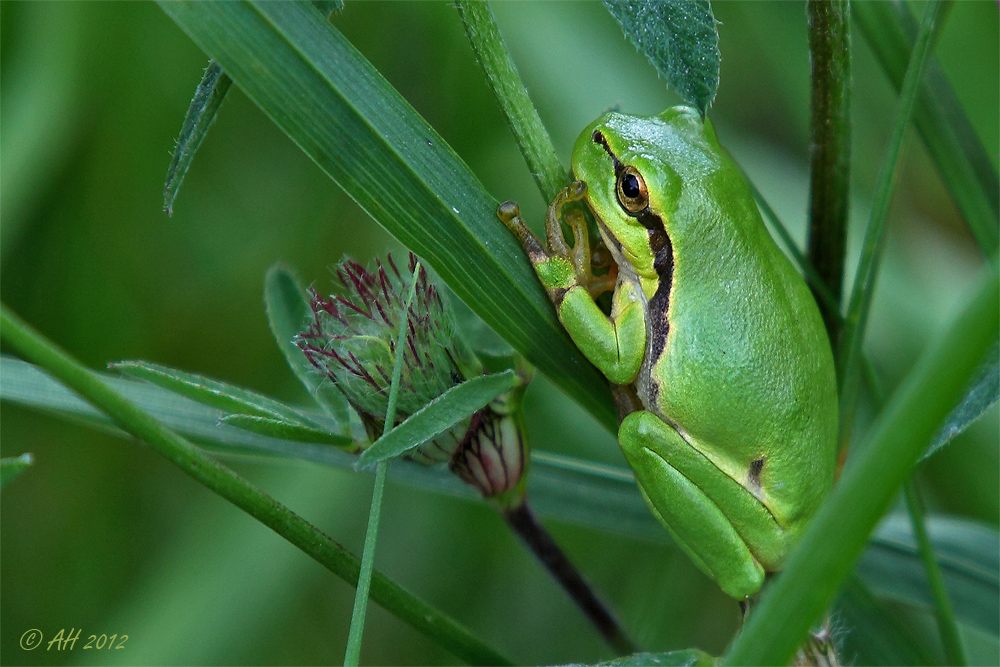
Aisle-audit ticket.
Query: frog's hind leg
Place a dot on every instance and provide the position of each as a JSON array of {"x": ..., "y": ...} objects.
[{"x": 692, "y": 517}]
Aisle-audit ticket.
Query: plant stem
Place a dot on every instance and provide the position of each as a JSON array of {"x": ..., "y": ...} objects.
[
  {"x": 205, "y": 470},
  {"x": 838, "y": 533},
  {"x": 523, "y": 522},
  {"x": 853, "y": 331},
  {"x": 353, "y": 653},
  {"x": 501, "y": 73},
  {"x": 829, "y": 147},
  {"x": 947, "y": 626}
]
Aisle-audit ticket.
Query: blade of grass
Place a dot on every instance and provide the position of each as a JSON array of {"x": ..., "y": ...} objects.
[
  {"x": 853, "y": 332},
  {"x": 451, "y": 407},
  {"x": 829, "y": 147},
  {"x": 961, "y": 160},
  {"x": 501, "y": 73},
  {"x": 838, "y": 532},
  {"x": 353, "y": 653},
  {"x": 309, "y": 79},
  {"x": 205, "y": 470},
  {"x": 945, "y": 615}
]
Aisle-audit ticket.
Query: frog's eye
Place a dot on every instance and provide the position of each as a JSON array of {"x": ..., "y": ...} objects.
[{"x": 632, "y": 193}]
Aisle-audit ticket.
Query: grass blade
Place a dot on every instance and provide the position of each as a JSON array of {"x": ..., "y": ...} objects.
[
  {"x": 856, "y": 321},
  {"x": 962, "y": 161},
  {"x": 838, "y": 532},
  {"x": 232, "y": 487},
  {"x": 287, "y": 314},
  {"x": 309, "y": 79},
  {"x": 353, "y": 653},
  {"x": 945, "y": 615},
  {"x": 451, "y": 407},
  {"x": 14, "y": 466},
  {"x": 680, "y": 38}
]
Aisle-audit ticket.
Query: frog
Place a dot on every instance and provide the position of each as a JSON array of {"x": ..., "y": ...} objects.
[{"x": 729, "y": 415}]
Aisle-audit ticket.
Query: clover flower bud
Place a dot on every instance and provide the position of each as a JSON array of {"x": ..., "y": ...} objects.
[{"x": 352, "y": 340}]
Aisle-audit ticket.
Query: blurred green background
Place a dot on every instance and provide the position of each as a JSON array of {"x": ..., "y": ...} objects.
[{"x": 104, "y": 535}]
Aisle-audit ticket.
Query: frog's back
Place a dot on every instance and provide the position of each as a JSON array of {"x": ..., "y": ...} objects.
[{"x": 746, "y": 370}]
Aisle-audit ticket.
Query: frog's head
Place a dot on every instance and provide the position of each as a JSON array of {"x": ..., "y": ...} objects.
[{"x": 634, "y": 168}]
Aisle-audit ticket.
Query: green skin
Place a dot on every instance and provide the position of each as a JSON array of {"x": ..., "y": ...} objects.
[{"x": 734, "y": 446}]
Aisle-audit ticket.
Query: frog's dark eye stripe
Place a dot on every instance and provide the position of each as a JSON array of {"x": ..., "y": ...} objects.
[{"x": 598, "y": 138}]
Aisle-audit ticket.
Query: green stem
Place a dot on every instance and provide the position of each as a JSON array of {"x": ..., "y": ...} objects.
[
  {"x": 529, "y": 132},
  {"x": 947, "y": 625},
  {"x": 852, "y": 333},
  {"x": 353, "y": 652},
  {"x": 205, "y": 470},
  {"x": 830, "y": 147},
  {"x": 838, "y": 533}
]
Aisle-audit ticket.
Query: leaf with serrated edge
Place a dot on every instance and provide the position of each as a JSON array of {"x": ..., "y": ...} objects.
[
  {"x": 680, "y": 38},
  {"x": 451, "y": 407}
]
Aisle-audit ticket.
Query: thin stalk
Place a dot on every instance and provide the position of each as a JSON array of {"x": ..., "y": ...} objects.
[
  {"x": 829, "y": 147},
  {"x": 852, "y": 334},
  {"x": 526, "y": 526},
  {"x": 223, "y": 481},
  {"x": 353, "y": 653},
  {"x": 838, "y": 533},
  {"x": 947, "y": 625},
  {"x": 501, "y": 73}
]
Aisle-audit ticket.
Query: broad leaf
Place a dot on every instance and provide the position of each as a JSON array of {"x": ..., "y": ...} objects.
[
  {"x": 451, "y": 407},
  {"x": 969, "y": 557},
  {"x": 12, "y": 467},
  {"x": 680, "y": 38},
  {"x": 872, "y": 634},
  {"x": 316, "y": 86}
]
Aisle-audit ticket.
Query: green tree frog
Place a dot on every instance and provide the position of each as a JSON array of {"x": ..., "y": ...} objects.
[{"x": 717, "y": 339}]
